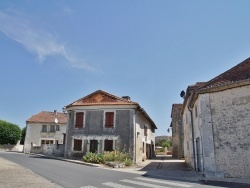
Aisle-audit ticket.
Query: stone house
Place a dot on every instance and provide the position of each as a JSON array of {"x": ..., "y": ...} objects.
[
  {"x": 101, "y": 122},
  {"x": 45, "y": 128},
  {"x": 177, "y": 131},
  {"x": 216, "y": 121}
]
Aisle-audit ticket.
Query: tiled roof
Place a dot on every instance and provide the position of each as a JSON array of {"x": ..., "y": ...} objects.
[
  {"x": 178, "y": 106},
  {"x": 237, "y": 73},
  {"x": 100, "y": 97},
  {"x": 48, "y": 117}
]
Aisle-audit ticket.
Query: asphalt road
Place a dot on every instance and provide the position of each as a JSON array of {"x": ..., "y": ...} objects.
[{"x": 73, "y": 175}]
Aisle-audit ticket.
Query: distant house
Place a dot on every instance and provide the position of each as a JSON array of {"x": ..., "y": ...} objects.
[
  {"x": 177, "y": 131},
  {"x": 45, "y": 128},
  {"x": 101, "y": 122},
  {"x": 216, "y": 121}
]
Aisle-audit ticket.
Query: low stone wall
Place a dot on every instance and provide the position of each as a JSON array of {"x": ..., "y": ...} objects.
[
  {"x": 52, "y": 150},
  {"x": 9, "y": 147}
]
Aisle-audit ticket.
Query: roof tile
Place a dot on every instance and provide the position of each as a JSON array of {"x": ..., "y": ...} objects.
[{"x": 48, "y": 117}]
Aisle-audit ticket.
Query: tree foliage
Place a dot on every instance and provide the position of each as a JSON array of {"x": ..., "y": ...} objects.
[
  {"x": 165, "y": 143},
  {"x": 9, "y": 133},
  {"x": 23, "y": 135}
]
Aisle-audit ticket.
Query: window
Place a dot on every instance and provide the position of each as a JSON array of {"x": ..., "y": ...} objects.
[
  {"x": 52, "y": 128},
  {"x": 77, "y": 145},
  {"x": 196, "y": 111},
  {"x": 108, "y": 145},
  {"x": 109, "y": 119},
  {"x": 79, "y": 120},
  {"x": 58, "y": 127},
  {"x": 49, "y": 142},
  {"x": 145, "y": 130},
  {"x": 44, "y": 128},
  {"x": 143, "y": 147}
]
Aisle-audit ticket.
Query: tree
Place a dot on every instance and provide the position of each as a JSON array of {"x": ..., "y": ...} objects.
[
  {"x": 23, "y": 135},
  {"x": 9, "y": 133}
]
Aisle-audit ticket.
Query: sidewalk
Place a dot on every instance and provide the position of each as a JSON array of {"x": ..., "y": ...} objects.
[
  {"x": 15, "y": 176},
  {"x": 164, "y": 167}
]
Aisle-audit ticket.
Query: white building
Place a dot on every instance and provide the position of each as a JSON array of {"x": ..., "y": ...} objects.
[{"x": 45, "y": 128}]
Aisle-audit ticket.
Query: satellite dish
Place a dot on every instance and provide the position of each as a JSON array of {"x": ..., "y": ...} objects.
[
  {"x": 182, "y": 94},
  {"x": 56, "y": 120}
]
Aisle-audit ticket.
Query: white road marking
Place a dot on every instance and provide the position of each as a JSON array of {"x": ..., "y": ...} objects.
[
  {"x": 164, "y": 182},
  {"x": 116, "y": 185},
  {"x": 143, "y": 184}
]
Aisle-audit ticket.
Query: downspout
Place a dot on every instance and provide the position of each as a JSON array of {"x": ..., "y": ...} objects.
[
  {"x": 135, "y": 135},
  {"x": 192, "y": 126}
]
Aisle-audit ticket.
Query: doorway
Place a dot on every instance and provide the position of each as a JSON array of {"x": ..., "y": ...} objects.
[{"x": 93, "y": 146}]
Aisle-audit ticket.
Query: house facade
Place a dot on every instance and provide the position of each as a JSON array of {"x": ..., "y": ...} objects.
[
  {"x": 216, "y": 121},
  {"x": 103, "y": 122},
  {"x": 177, "y": 131},
  {"x": 45, "y": 128}
]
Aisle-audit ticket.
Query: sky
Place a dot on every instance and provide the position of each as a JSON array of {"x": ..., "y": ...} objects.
[{"x": 54, "y": 52}]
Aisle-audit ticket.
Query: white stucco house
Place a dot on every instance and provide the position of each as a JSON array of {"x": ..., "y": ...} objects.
[
  {"x": 45, "y": 128},
  {"x": 216, "y": 123}
]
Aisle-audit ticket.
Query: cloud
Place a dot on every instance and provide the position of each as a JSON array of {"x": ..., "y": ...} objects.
[{"x": 39, "y": 42}]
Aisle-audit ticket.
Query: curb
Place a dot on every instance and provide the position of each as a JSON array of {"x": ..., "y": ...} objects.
[
  {"x": 66, "y": 160},
  {"x": 224, "y": 183}
]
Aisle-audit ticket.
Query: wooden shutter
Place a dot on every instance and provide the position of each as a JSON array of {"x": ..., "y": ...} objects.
[
  {"x": 109, "y": 119},
  {"x": 108, "y": 145},
  {"x": 145, "y": 130},
  {"x": 79, "y": 120},
  {"x": 77, "y": 145}
]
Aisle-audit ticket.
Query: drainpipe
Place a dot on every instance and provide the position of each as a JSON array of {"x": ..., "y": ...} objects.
[
  {"x": 135, "y": 135},
  {"x": 191, "y": 113}
]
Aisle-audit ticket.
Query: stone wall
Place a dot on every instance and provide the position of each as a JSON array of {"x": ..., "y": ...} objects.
[
  {"x": 51, "y": 150},
  {"x": 177, "y": 133},
  {"x": 8, "y": 147},
  {"x": 231, "y": 123}
]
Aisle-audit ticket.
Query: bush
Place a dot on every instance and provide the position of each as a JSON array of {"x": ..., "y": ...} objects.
[
  {"x": 23, "y": 135},
  {"x": 108, "y": 156},
  {"x": 9, "y": 133},
  {"x": 93, "y": 158}
]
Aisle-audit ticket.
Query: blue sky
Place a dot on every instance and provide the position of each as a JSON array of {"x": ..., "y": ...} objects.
[{"x": 55, "y": 52}]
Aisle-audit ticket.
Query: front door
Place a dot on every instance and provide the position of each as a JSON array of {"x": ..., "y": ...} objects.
[
  {"x": 93, "y": 146},
  {"x": 198, "y": 154},
  {"x": 148, "y": 151}
]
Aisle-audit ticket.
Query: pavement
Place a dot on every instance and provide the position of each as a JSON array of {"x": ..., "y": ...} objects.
[
  {"x": 15, "y": 176},
  {"x": 162, "y": 167}
]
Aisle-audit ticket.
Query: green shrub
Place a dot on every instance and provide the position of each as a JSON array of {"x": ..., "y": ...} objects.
[
  {"x": 108, "y": 156},
  {"x": 93, "y": 158},
  {"x": 9, "y": 133},
  {"x": 128, "y": 162}
]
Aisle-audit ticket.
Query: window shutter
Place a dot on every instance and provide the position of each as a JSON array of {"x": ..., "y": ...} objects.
[
  {"x": 145, "y": 130},
  {"x": 79, "y": 120},
  {"x": 77, "y": 145},
  {"x": 109, "y": 119}
]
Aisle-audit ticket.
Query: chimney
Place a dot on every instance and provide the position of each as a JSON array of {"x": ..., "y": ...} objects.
[
  {"x": 126, "y": 97},
  {"x": 55, "y": 112}
]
